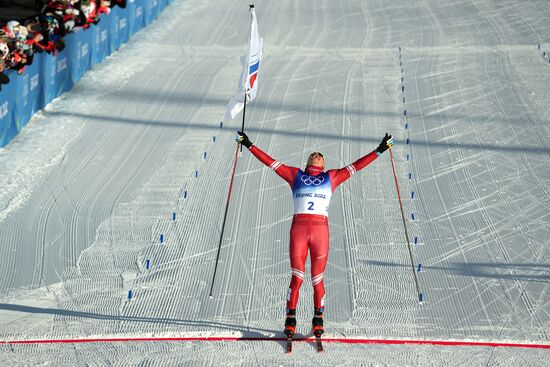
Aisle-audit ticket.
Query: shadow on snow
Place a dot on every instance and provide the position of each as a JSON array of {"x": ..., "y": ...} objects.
[{"x": 522, "y": 271}]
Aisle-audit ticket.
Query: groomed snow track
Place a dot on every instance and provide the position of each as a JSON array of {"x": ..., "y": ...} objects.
[{"x": 93, "y": 182}]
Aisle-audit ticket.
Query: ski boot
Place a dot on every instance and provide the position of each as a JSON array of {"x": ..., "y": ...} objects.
[
  {"x": 290, "y": 323},
  {"x": 317, "y": 322}
]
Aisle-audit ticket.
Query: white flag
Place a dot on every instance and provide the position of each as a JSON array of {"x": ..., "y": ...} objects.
[{"x": 249, "y": 75}]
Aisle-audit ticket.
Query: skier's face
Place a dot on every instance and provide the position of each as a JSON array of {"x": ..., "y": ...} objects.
[{"x": 316, "y": 159}]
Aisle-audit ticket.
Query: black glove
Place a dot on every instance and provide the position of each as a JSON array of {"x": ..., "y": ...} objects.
[
  {"x": 386, "y": 143},
  {"x": 243, "y": 139}
]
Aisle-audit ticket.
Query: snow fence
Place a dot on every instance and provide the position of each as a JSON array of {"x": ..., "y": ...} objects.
[{"x": 50, "y": 76}]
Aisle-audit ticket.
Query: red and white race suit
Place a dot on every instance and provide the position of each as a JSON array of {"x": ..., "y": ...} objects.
[{"x": 311, "y": 192}]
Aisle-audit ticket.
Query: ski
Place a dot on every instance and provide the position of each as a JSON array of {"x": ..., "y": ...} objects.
[
  {"x": 319, "y": 343},
  {"x": 289, "y": 344}
]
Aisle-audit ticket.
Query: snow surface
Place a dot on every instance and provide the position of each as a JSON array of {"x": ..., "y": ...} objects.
[{"x": 92, "y": 182}]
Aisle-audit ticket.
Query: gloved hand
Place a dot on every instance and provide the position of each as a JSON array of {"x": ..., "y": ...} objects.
[
  {"x": 386, "y": 143},
  {"x": 243, "y": 139}
]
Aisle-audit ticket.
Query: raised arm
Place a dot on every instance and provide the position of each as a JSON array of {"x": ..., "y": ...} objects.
[
  {"x": 285, "y": 172},
  {"x": 338, "y": 176}
]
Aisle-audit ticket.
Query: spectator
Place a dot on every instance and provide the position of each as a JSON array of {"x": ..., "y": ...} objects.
[{"x": 45, "y": 32}]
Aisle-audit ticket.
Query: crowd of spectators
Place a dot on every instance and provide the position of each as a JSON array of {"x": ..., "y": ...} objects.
[{"x": 21, "y": 39}]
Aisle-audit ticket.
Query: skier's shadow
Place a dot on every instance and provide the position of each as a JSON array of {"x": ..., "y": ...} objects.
[
  {"x": 247, "y": 332},
  {"x": 303, "y": 338}
]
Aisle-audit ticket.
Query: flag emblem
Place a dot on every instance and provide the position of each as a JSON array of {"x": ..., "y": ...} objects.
[{"x": 248, "y": 84}]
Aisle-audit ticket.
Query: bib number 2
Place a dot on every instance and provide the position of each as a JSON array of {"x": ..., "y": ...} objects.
[{"x": 310, "y": 207}]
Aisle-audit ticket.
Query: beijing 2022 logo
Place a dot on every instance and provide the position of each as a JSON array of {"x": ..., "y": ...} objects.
[{"x": 312, "y": 180}]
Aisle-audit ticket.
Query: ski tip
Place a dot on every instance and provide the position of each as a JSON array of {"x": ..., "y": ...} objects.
[
  {"x": 211, "y": 297},
  {"x": 420, "y": 298},
  {"x": 288, "y": 345}
]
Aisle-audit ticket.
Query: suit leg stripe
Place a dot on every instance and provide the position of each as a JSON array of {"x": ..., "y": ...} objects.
[
  {"x": 317, "y": 279},
  {"x": 351, "y": 169}
]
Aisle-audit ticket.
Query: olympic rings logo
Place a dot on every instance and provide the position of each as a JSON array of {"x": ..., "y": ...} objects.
[{"x": 313, "y": 180}]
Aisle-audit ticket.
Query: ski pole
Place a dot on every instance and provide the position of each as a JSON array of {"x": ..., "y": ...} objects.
[
  {"x": 244, "y": 114},
  {"x": 405, "y": 226},
  {"x": 224, "y": 218}
]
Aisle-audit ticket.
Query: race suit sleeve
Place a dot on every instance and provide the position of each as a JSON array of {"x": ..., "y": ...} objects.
[
  {"x": 285, "y": 172},
  {"x": 338, "y": 176}
]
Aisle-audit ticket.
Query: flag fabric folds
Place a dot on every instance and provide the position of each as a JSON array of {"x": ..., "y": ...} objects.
[{"x": 249, "y": 76}]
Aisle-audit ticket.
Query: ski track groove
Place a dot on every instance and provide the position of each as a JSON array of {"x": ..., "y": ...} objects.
[
  {"x": 471, "y": 188},
  {"x": 348, "y": 199},
  {"x": 176, "y": 251},
  {"x": 439, "y": 192},
  {"x": 45, "y": 213},
  {"x": 159, "y": 138},
  {"x": 527, "y": 300},
  {"x": 512, "y": 209}
]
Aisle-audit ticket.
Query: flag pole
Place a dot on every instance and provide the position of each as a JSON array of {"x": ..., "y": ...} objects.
[
  {"x": 239, "y": 149},
  {"x": 250, "y": 6},
  {"x": 244, "y": 114}
]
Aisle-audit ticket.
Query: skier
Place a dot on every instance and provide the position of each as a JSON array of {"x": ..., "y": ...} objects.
[{"x": 311, "y": 191}]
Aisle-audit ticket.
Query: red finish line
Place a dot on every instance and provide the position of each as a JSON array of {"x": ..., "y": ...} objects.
[{"x": 328, "y": 340}]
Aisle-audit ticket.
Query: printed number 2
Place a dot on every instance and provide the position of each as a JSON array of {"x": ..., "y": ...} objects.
[{"x": 310, "y": 205}]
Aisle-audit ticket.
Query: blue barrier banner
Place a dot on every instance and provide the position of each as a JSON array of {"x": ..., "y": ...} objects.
[
  {"x": 28, "y": 95},
  {"x": 8, "y": 129},
  {"x": 131, "y": 11},
  {"x": 123, "y": 28},
  {"x": 151, "y": 10},
  {"x": 100, "y": 44},
  {"x": 56, "y": 76},
  {"x": 118, "y": 30},
  {"x": 139, "y": 14},
  {"x": 78, "y": 47},
  {"x": 49, "y": 76}
]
